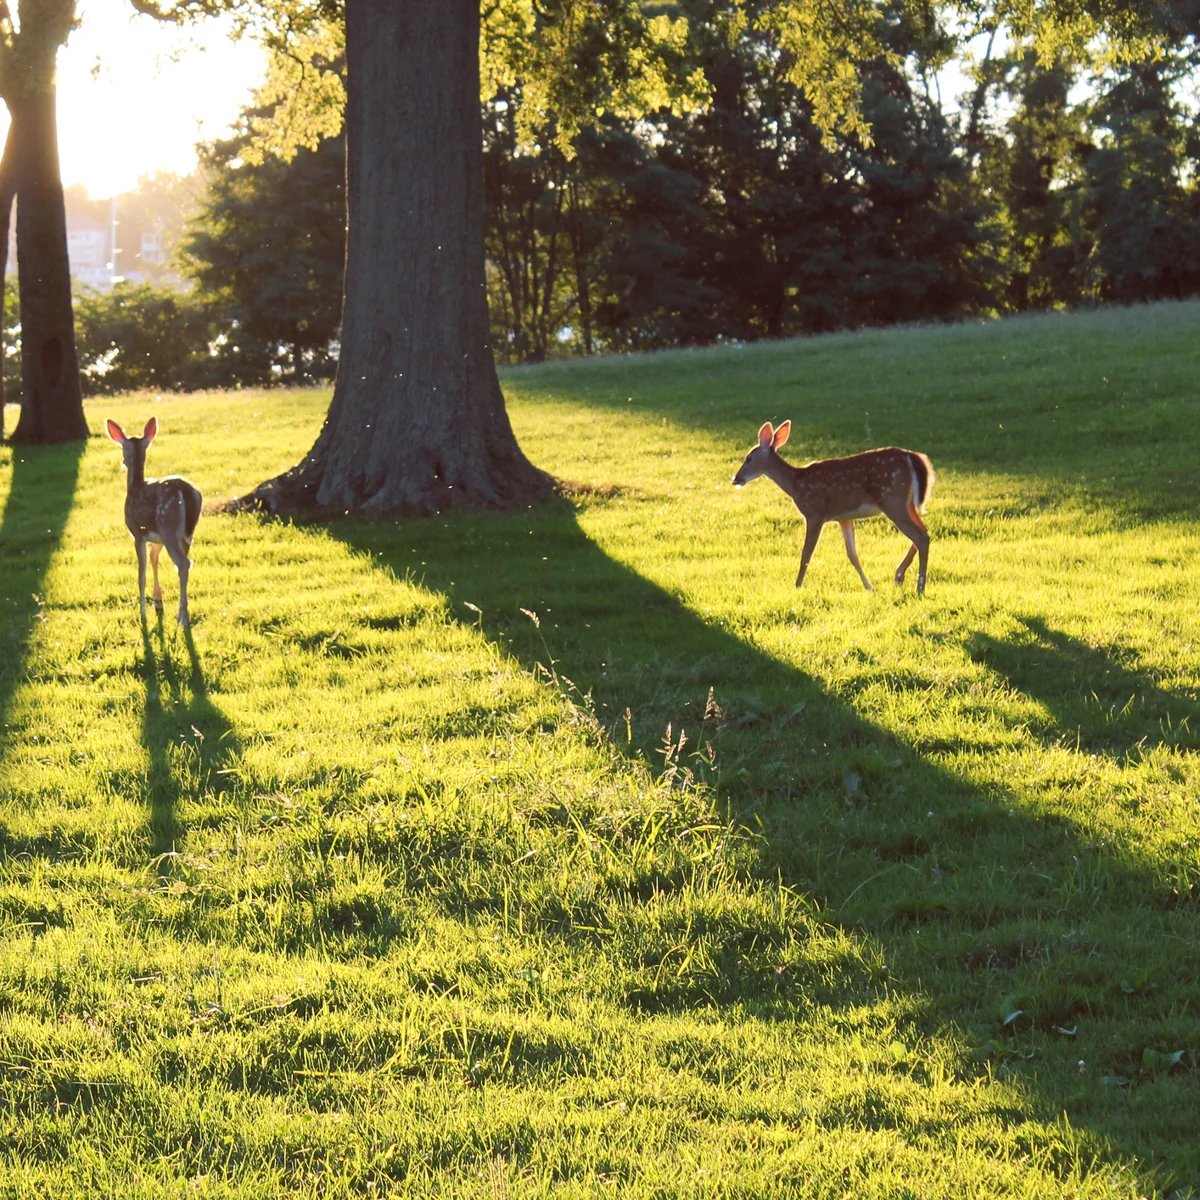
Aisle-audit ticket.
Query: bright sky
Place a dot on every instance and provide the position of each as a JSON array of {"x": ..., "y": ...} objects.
[{"x": 135, "y": 96}]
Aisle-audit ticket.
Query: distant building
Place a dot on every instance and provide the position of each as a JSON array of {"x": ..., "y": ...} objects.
[
  {"x": 88, "y": 250},
  {"x": 146, "y": 229},
  {"x": 152, "y": 253}
]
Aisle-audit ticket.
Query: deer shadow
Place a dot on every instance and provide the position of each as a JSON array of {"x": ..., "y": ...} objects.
[
  {"x": 187, "y": 738},
  {"x": 1094, "y": 700}
]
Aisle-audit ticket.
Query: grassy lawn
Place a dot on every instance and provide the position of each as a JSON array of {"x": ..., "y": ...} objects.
[{"x": 575, "y": 852}]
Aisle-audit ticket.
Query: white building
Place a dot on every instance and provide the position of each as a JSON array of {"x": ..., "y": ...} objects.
[{"x": 87, "y": 248}]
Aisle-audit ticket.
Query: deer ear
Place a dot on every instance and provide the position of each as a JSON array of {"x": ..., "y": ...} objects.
[
  {"x": 781, "y": 434},
  {"x": 114, "y": 432},
  {"x": 151, "y": 429},
  {"x": 765, "y": 433}
]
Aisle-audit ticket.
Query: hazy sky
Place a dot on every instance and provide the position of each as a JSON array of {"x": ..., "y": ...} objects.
[{"x": 135, "y": 96}]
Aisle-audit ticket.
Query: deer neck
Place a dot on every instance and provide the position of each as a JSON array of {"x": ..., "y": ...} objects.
[
  {"x": 136, "y": 469},
  {"x": 784, "y": 474}
]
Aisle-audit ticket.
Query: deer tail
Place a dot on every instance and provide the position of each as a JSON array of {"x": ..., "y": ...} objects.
[{"x": 923, "y": 478}]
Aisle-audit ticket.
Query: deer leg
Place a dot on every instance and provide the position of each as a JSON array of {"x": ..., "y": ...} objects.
[
  {"x": 852, "y": 551},
  {"x": 155, "y": 551},
  {"x": 175, "y": 548},
  {"x": 812, "y": 531},
  {"x": 914, "y": 529},
  {"x": 140, "y": 547}
]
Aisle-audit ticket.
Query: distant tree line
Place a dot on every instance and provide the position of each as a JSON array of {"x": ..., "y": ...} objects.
[
  {"x": 1046, "y": 185},
  {"x": 1052, "y": 187}
]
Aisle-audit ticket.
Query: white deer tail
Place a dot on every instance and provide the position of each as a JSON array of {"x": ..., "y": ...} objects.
[{"x": 924, "y": 478}]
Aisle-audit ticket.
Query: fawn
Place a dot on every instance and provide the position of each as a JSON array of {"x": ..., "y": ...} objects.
[
  {"x": 162, "y": 512},
  {"x": 890, "y": 481}
]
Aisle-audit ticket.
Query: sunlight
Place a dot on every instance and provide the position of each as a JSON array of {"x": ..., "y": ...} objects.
[{"x": 135, "y": 96}]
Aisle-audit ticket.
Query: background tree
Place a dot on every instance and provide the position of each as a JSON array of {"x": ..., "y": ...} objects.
[
  {"x": 1144, "y": 233},
  {"x": 140, "y": 336},
  {"x": 527, "y": 236},
  {"x": 1034, "y": 169},
  {"x": 266, "y": 251},
  {"x": 51, "y": 399}
]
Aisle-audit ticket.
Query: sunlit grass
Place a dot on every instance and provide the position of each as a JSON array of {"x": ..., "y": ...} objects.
[{"x": 574, "y": 851}]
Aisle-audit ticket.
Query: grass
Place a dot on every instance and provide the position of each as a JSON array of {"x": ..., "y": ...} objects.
[{"x": 574, "y": 852}]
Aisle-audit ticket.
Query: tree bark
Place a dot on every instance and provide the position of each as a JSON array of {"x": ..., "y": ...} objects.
[
  {"x": 417, "y": 422},
  {"x": 7, "y": 194},
  {"x": 51, "y": 399}
]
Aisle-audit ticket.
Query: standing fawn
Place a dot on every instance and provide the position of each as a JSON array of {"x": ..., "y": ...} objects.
[
  {"x": 162, "y": 512},
  {"x": 890, "y": 481}
]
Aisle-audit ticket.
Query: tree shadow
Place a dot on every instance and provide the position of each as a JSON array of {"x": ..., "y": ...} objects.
[
  {"x": 44, "y": 479},
  {"x": 973, "y": 895},
  {"x": 1095, "y": 700},
  {"x": 188, "y": 739}
]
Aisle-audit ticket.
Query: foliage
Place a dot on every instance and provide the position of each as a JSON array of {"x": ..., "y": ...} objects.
[
  {"x": 579, "y": 60},
  {"x": 301, "y": 102},
  {"x": 531, "y": 215},
  {"x": 12, "y": 346},
  {"x": 1143, "y": 213},
  {"x": 267, "y": 249},
  {"x": 574, "y": 851},
  {"x": 1034, "y": 167},
  {"x": 139, "y": 335}
]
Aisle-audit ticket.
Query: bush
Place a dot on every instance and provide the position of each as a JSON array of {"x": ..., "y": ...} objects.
[{"x": 142, "y": 336}]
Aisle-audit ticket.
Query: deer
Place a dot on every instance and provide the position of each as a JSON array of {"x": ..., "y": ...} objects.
[
  {"x": 161, "y": 512},
  {"x": 889, "y": 481}
]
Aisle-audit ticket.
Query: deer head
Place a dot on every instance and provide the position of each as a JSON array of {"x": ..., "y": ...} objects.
[
  {"x": 133, "y": 449},
  {"x": 758, "y": 461}
]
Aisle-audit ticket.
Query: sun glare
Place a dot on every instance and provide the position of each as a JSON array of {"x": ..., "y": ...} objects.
[{"x": 135, "y": 96}]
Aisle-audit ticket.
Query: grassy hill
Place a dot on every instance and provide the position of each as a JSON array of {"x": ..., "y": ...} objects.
[{"x": 575, "y": 852}]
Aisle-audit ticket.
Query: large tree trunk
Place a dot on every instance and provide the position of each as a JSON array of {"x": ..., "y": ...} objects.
[
  {"x": 417, "y": 422},
  {"x": 6, "y": 205},
  {"x": 51, "y": 400}
]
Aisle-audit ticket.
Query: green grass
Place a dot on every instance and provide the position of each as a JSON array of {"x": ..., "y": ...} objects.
[{"x": 574, "y": 852}]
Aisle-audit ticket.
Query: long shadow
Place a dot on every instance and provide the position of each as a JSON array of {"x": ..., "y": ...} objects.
[
  {"x": 969, "y": 893},
  {"x": 44, "y": 479},
  {"x": 188, "y": 739},
  {"x": 1095, "y": 701}
]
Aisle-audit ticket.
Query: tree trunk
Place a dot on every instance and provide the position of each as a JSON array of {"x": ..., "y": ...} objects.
[
  {"x": 417, "y": 422},
  {"x": 582, "y": 267},
  {"x": 6, "y": 205},
  {"x": 51, "y": 400}
]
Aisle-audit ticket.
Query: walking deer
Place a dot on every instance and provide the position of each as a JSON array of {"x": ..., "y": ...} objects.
[
  {"x": 890, "y": 481},
  {"x": 162, "y": 512}
]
